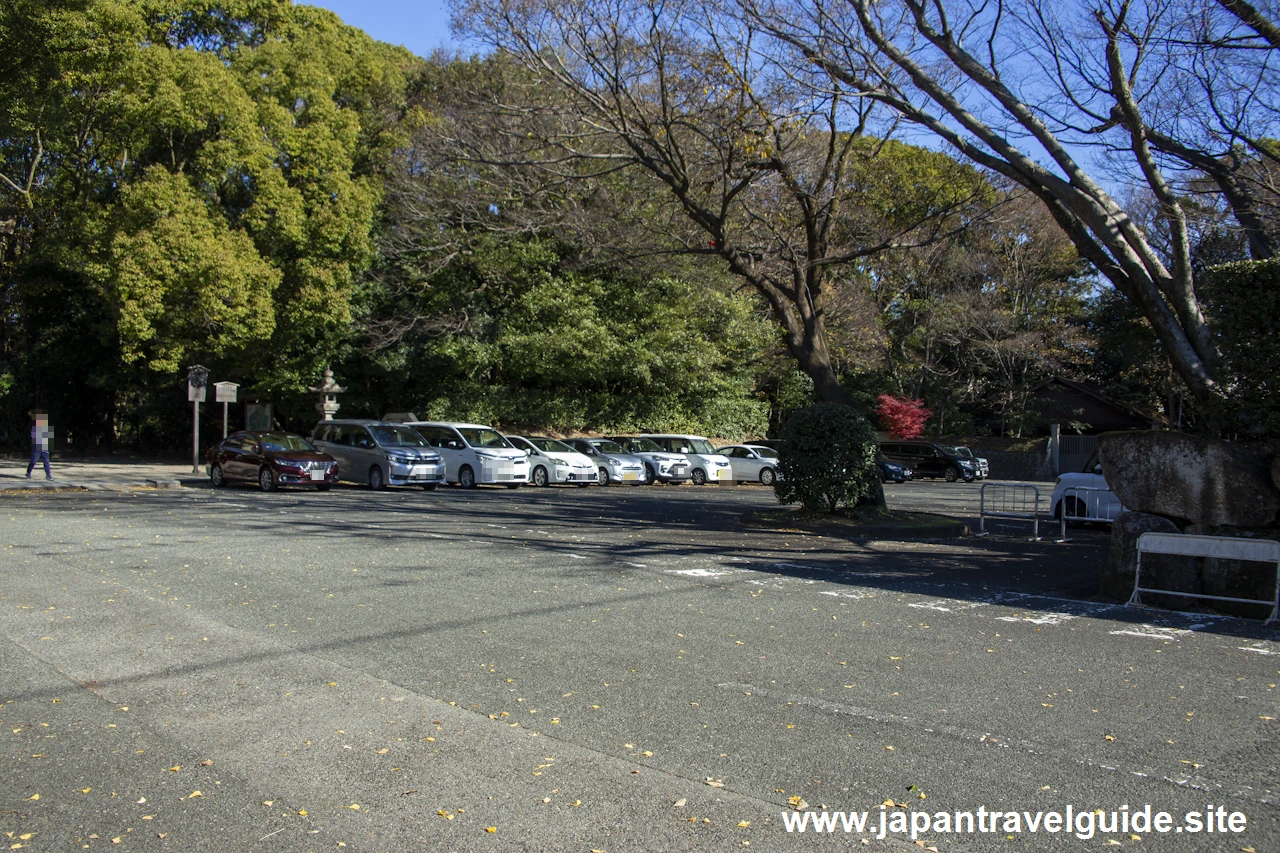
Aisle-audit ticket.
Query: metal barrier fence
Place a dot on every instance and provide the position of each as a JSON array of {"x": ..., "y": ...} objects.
[
  {"x": 1020, "y": 501},
  {"x": 1221, "y": 547},
  {"x": 1087, "y": 503}
]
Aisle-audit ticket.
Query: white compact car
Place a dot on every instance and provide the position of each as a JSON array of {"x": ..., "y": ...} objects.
[
  {"x": 615, "y": 464},
  {"x": 659, "y": 465},
  {"x": 751, "y": 463},
  {"x": 552, "y": 461},
  {"x": 1085, "y": 496},
  {"x": 475, "y": 454},
  {"x": 705, "y": 464}
]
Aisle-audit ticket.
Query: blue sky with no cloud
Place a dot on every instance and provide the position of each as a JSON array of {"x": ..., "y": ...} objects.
[{"x": 420, "y": 25}]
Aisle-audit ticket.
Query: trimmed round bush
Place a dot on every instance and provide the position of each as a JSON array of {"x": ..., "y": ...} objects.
[{"x": 828, "y": 458}]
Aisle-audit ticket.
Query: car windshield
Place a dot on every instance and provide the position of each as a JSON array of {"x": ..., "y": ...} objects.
[
  {"x": 766, "y": 452},
  {"x": 275, "y": 442},
  {"x": 483, "y": 437},
  {"x": 645, "y": 445},
  {"x": 963, "y": 452},
  {"x": 397, "y": 436},
  {"x": 550, "y": 445},
  {"x": 1091, "y": 466},
  {"x": 695, "y": 445},
  {"x": 606, "y": 446}
]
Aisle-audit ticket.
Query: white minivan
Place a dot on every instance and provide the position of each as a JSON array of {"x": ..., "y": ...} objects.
[
  {"x": 705, "y": 464},
  {"x": 475, "y": 454}
]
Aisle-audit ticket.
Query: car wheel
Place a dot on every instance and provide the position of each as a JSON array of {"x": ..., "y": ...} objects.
[
  {"x": 322, "y": 487},
  {"x": 1075, "y": 508},
  {"x": 602, "y": 476},
  {"x": 266, "y": 480},
  {"x": 376, "y": 481},
  {"x": 767, "y": 476},
  {"x": 699, "y": 477},
  {"x": 216, "y": 477},
  {"x": 540, "y": 476},
  {"x": 650, "y": 473},
  {"x": 467, "y": 477},
  {"x": 428, "y": 487},
  {"x": 951, "y": 474}
]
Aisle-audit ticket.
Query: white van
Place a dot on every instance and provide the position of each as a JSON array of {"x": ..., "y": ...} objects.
[
  {"x": 474, "y": 454},
  {"x": 705, "y": 464}
]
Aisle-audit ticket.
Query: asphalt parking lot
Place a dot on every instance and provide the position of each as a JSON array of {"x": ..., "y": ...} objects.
[{"x": 599, "y": 669}]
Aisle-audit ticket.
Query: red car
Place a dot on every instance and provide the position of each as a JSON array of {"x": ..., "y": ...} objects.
[{"x": 272, "y": 459}]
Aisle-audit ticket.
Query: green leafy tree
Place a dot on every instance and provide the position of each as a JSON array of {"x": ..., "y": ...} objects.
[
  {"x": 210, "y": 173},
  {"x": 523, "y": 337}
]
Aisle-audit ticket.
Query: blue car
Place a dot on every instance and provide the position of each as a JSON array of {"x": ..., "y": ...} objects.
[{"x": 893, "y": 472}]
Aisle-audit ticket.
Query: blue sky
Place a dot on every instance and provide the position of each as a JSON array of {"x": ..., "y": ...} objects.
[{"x": 420, "y": 25}]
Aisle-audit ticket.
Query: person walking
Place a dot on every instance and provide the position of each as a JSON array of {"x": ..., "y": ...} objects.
[{"x": 41, "y": 439}]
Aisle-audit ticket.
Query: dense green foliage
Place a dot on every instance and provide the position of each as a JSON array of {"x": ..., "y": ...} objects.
[
  {"x": 199, "y": 181},
  {"x": 828, "y": 459},
  {"x": 1244, "y": 301},
  {"x": 543, "y": 346}
]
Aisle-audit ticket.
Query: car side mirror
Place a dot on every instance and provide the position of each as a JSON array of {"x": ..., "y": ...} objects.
[{"x": 1097, "y": 469}]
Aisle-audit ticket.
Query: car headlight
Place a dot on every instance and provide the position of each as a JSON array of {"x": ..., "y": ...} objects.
[
  {"x": 399, "y": 460},
  {"x": 965, "y": 463},
  {"x": 613, "y": 461},
  {"x": 484, "y": 455},
  {"x": 559, "y": 463}
]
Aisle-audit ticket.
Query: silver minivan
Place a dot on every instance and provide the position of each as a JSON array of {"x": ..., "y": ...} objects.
[{"x": 380, "y": 453}]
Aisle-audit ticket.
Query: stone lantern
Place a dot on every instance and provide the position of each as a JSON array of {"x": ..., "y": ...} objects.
[{"x": 328, "y": 391}]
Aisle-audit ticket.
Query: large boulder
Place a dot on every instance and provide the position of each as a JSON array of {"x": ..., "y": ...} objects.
[
  {"x": 1122, "y": 564},
  {"x": 1235, "y": 578},
  {"x": 1193, "y": 479}
]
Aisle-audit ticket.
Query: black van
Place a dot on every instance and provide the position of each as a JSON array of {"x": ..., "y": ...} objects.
[{"x": 927, "y": 459}]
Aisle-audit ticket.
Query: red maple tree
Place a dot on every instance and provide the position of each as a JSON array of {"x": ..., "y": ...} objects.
[{"x": 902, "y": 417}]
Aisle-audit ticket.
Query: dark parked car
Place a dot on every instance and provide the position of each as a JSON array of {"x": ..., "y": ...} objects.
[
  {"x": 926, "y": 459},
  {"x": 893, "y": 472},
  {"x": 271, "y": 459}
]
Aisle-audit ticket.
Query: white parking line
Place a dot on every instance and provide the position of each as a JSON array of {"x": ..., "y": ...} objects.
[
  {"x": 1042, "y": 619},
  {"x": 947, "y": 605},
  {"x": 1154, "y": 632},
  {"x": 701, "y": 573}
]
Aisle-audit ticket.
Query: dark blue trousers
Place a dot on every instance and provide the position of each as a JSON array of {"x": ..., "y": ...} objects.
[{"x": 38, "y": 455}]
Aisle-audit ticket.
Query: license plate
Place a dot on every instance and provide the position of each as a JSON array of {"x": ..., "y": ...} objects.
[
  {"x": 628, "y": 475},
  {"x": 317, "y": 474}
]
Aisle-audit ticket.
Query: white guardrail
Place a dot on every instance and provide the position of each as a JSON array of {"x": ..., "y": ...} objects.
[
  {"x": 1020, "y": 501},
  {"x": 1222, "y": 547}
]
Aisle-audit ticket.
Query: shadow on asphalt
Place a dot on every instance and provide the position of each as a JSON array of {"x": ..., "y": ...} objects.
[{"x": 619, "y": 528}]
